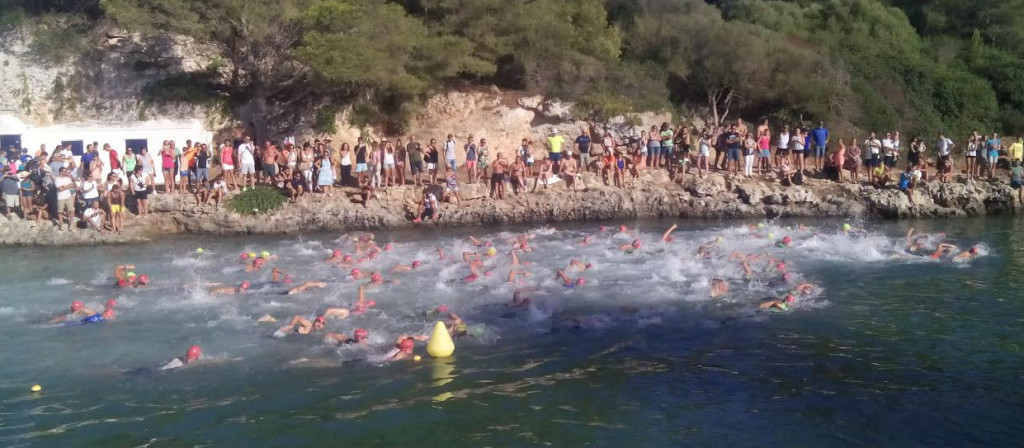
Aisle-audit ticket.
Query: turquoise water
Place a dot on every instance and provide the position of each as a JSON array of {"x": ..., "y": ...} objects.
[{"x": 888, "y": 351}]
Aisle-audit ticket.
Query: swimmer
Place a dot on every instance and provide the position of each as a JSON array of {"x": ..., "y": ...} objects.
[
  {"x": 518, "y": 301},
  {"x": 358, "y": 336},
  {"x": 719, "y": 287},
  {"x": 361, "y": 303},
  {"x": 229, "y": 290},
  {"x": 777, "y": 304},
  {"x": 479, "y": 243},
  {"x": 257, "y": 264},
  {"x": 631, "y": 247},
  {"x": 915, "y": 246},
  {"x": 404, "y": 346},
  {"x": 457, "y": 328},
  {"x": 804, "y": 288},
  {"x": 376, "y": 279},
  {"x": 579, "y": 265},
  {"x": 407, "y": 267},
  {"x": 967, "y": 254},
  {"x": 586, "y": 240},
  {"x": 355, "y": 273},
  {"x": 705, "y": 250},
  {"x": 121, "y": 273},
  {"x": 192, "y": 355},
  {"x": 108, "y": 310},
  {"x": 786, "y": 241},
  {"x": 336, "y": 257},
  {"x": 667, "y": 236},
  {"x": 440, "y": 254},
  {"x": 567, "y": 282},
  {"x": 78, "y": 311},
  {"x": 301, "y": 325},
  {"x": 942, "y": 250},
  {"x": 303, "y": 287}
]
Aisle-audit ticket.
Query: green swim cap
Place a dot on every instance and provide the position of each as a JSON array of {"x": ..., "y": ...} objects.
[
  {"x": 771, "y": 236},
  {"x": 760, "y": 225},
  {"x": 265, "y": 254},
  {"x": 847, "y": 227},
  {"x": 252, "y": 254}
]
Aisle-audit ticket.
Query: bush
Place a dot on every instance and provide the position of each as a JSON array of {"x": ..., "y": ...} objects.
[{"x": 257, "y": 200}]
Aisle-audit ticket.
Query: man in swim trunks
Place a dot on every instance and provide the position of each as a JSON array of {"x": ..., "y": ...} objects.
[
  {"x": 78, "y": 311},
  {"x": 192, "y": 355}
]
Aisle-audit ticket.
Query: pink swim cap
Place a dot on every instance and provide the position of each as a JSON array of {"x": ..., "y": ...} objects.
[
  {"x": 669, "y": 239},
  {"x": 589, "y": 265},
  {"x": 416, "y": 263},
  {"x": 487, "y": 243},
  {"x": 335, "y": 253},
  {"x": 361, "y": 334},
  {"x": 442, "y": 309},
  {"x": 790, "y": 298},
  {"x": 122, "y": 283},
  {"x": 76, "y": 305},
  {"x": 375, "y": 277},
  {"x": 469, "y": 278},
  {"x": 355, "y": 272},
  {"x": 111, "y": 303},
  {"x": 487, "y": 273},
  {"x": 622, "y": 228},
  {"x": 636, "y": 244},
  {"x": 370, "y": 303},
  {"x": 604, "y": 228},
  {"x": 245, "y": 285},
  {"x": 523, "y": 246},
  {"x": 347, "y": 258},
  {"x": 586, "y": 239},
  {"x": 407, "y": 344},
  {"x": 786, "y": 240},
  {"x": 373, "y": 255},
  {"x": 143, "y": 279},
  {"x": 288, "y": 280},
  {"x": 581, "y": 281},
  {"x": 194, "y": 352},
  {"x": 781, "y": 266},
  {"x": 388, "y": 246},
  {"x": 243, "y": 256}
]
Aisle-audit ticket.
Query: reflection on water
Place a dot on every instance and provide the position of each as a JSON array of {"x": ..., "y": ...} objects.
[{"x": 887, "y": 349}]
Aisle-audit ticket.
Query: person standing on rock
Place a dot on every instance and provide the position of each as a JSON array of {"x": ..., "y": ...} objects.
[
  {"x": 270, "y": 156},
  {"x": 401, "y": 157},
  {"x": 733, "y": 141},
  {"x": 227, "y": 163},
  {"x": 498, "y": 177},
  {"x": 65, "y": 187},
  {"x": 482, "y": 160},
  {"x": 703, "y": 154},
  {"x": 583, "y": 146},
  {"x": 782, "y": 147},
  {"x": 449, "y": 154},
  {"x": 345, "y": 162},
  {"x": 432, "y": 158},
  {"x": 555, "y": 149},
  {"x": 820, "y": 140},
  {"x": 993, "y": 145},
  {"x": 945, "y": 147},
  {"x": 415, "y": 152},
  {"x": 361, "y": 167},
  {"x": 470, "y": 148},
  {"x": 247, "y": 160}
]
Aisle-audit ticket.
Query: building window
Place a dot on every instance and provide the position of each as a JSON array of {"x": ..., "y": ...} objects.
[
  {"x": 136, "y": 144},
  {"x": 76, "y": 146},
  {"x": 8, "y": 141}
]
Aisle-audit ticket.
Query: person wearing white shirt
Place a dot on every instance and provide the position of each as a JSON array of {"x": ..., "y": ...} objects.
[
  {"x": 90, "y": 191},
  {"x": 945, "y": 146},
  {"x": 874, "y": 146},
  {"x": 888, "y": 149},
  {"x": 247, "y": 163}
]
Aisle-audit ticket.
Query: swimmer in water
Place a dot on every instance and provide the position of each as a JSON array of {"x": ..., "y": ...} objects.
[
  {"x": 108, "y": 310},
  {"x": 78, "y": 311},
  {"x": 358, "y": 336},
  {"x": 667, "y": 236},
  {"x": 257, "y": 264},
  {"x": 192, "y": 355},
  {"x": 518, "y": 300},
  {"x": 915, "y": 246},
  {"x": 440, "y": 254},
  {"x": 376, "y": 279},
  {"x": 719, "y": 287},
  {"x": 777, "y": 304},
  {"x": 942, "y": 250},
  {"x": 302, "y": 325},
  {"x": 706, "y": 250},
  {"x": 121, "y": 273},
  {"x": 578, "y": 265},
  {"x": 967, "y": 254},
  {"x": 407, "y": 267},
  {"x": 303, "y": 287},
  {"x": 479, "y": 243},
  {"x": 457, "y": 328},
  {"x": 567, "y": 282},
  {"x": 404, "y": 346},
  {"x": 631, "y": 247},
  {"x": 220, "y": 290},
  {"x": 336, "y": 257}
]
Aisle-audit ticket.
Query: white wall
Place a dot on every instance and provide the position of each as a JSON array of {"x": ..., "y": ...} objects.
[{"x": 113, "y": 133}]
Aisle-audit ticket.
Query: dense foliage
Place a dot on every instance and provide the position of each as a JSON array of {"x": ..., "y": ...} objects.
[
  {"x": 919, "y": 66},
  {"x": 253, "y": 201}
]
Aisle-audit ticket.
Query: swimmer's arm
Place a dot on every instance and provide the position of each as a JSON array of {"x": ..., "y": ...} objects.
[
  {"x": 338, "y": 312},
  {"x": 277, "y": 274},
  {"x": 440, "y": 254},
  {"x": 335, "y": 337},
  {"x": 401, "y": 268},
  {"x": 58, "y": 319},
  {"x": 746, "y": 268},
  {"x": 362, "y": 296},
  {"x": 565, "y": 278},
  {"x": 475, "y": 241},
  {"x": 515, "y": 258},
  {"x": 668, "y": 232}
]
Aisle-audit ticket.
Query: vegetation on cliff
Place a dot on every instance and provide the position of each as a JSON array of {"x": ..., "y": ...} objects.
[{"x": 918, "y": 66}]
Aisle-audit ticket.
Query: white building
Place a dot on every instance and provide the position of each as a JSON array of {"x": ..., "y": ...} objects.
[{"x": 136, "y": 135}]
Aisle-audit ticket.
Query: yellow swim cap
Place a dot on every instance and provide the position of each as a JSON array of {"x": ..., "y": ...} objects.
[{"x": 491, "y": 251}]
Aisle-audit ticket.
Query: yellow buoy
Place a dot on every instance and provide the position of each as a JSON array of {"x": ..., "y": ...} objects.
[
  {"x": 37, "y": 388},
  {"x": 440, "y": 344}
]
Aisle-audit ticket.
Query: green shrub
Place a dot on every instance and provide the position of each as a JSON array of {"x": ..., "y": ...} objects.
[{"x": 257, "y": 200}]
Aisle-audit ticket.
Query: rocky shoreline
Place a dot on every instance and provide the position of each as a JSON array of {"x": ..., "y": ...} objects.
[{"x": 653, "y": 195}]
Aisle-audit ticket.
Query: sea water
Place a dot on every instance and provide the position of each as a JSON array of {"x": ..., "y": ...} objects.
[{"x": 888, "y": 350}]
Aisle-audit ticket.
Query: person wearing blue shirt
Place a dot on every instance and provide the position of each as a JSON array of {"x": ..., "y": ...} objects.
[
  {"x": 820, "y": 142},
  {"x": 993, "y": 146}
]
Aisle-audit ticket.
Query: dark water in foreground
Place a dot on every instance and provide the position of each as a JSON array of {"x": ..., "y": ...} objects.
[{"x": 892, "y": 352}]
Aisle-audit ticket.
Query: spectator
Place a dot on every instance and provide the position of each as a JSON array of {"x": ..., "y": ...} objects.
[
  {"x": 227, "y": 163},
  {"x": 820, "y": 141},
  {"x": 1017, "y": 150},
  {"x": 10, "y": 187},
  {"x": 428, "y": 207},
  {"x": 993, "y": 145},
  {"x": 140, "y": 191},
  {"x": 583, "y": 146},
  {"x": 554, "y": 149},
  {"x": 345, "y": 161},
  {"x": 945, "y": 146},
  {"x": 449, "y": 153},
  {"x": 94, "y": 217},
  {"x": 65, "y": 186},
  {"x": 432, "y": 158}
]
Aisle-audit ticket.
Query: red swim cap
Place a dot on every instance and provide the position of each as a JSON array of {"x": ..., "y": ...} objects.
[
  {"x": 259, "y": 261},
  {"x": 469, "y": 278},
  {"x": 416, "y": 263},
  {"x": 581, "y": 281},
  {"x": 636, "y": 244},
  {"x": 786, "y": 240},
  {"x": 361, "y": 334},
  {"x": 76, "y": 305},
  {"x": 111, "y": 303},
  {"x": 143, "y": 279},
  {"x": 603, "y": 228},
  {"x": 388, "y": 246},
  {"x": 355, "y": 272},
  {"x": 122, "y": 283},
  {"x": 335, "y": 253},
  {"x": 320, "y": 319},
  {"x": 370, "y": 303},
  {"x": 245, "y": 285},
  {"x": 407, "y": 344},
  {"x": 442, "y": 309},
  {"x": 243, "y": 256},
  {"x": 622, "y": 228},
  {"x": 790, "y": 298},
  {"x": 375, "y": 277},
  {"x": 193, "y": 353},
  {"x": 974, "y": 249},
  {"x": 669, "y": 239},
  {"x": 487, "y": 273},
  {"x": 347, "y": 258},
  {"x": 781, "y": 266},
  {"x": 288, "y": 280}
]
